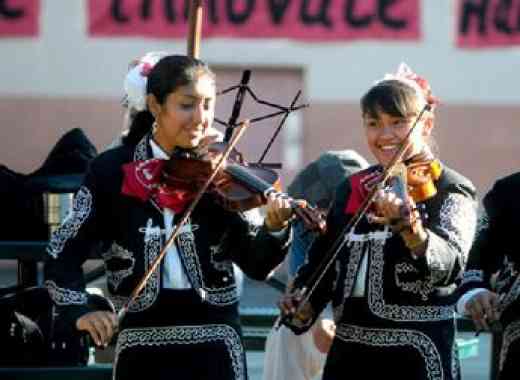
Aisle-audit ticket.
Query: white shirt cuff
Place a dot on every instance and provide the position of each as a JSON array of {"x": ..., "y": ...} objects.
[
  {"x": 279, "y": 233},
  {"x": 461, "y": 303}
]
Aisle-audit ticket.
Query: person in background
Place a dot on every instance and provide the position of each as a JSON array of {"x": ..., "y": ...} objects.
[
  {"x": 490, "y": 286},
  {"x": 391, "y": 281},
  {"x": 289, "y": 356},
  {"x": 187, "y": 313}
]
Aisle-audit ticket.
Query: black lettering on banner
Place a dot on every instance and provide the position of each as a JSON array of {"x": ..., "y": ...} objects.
[
  {"x": 277, "y": 10},
  {"x": 168, "y": 7},
  {"x": 353, "y": 20},
  {"x": 382, "y": 11},
  {"x": 320, "y": 17},
  {"x": 146, "y": 10},
  {"x": 213, "y": 11},
  {"x": 117, "y": 12},
  {"x": 10, "y": 13},
  {"x": 518, "y": 19},
  {"x": 169, "y": 10},
  {"x": 239, "y": 17},
  {"x": 186, "y": 10},
  {"x": 473, "y": 12},
  {"x": 501, "y": 17}
]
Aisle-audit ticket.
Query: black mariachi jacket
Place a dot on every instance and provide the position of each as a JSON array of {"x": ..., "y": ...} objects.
[
  {"x": 399, "y": 288},
  {"x": 494, "y": 259},
  {"x": 130, "y": 234}
]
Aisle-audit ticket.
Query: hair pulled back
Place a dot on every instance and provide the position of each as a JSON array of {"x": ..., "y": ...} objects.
[{"x": 170, "y": 73}]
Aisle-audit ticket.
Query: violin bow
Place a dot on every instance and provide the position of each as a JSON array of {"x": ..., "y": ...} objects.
[{"x": 305, "y": 292}]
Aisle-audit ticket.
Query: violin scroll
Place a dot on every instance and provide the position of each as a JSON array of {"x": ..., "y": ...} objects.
[{"x": 312, "y": 218}]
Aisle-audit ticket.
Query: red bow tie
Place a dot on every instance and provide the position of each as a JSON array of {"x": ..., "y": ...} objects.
[
  {"x": 361, "y": 184},
  {"x": 142, "y": 180}
]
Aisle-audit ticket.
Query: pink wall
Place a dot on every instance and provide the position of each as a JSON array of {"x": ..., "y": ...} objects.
[{"x": 481, "y": 142}]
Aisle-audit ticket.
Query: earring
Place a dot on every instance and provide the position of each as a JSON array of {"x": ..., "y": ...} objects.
[{"x": 154, "y": 126}]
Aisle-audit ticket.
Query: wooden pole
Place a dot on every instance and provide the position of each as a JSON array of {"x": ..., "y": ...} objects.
[{"x": 195, "y": 28}]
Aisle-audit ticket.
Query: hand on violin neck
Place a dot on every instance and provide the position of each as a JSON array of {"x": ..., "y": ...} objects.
[
  {"x": 390, "y": 209},
  {"x": 293, "y": 311},
  {"x": 279, "y": 211}
]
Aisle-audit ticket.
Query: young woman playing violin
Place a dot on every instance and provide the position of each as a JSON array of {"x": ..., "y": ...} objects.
[
  {"x": 184, "y": 324},
  {"x": 389, "y": 282}
]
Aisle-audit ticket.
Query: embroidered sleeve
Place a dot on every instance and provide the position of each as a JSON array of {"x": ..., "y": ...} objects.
[
  {"x": 450, "y": 238},
  {"x": 487, "y": 252},
  {"x": 68, "y": 249},
  {"x": 473, "y": 275}
]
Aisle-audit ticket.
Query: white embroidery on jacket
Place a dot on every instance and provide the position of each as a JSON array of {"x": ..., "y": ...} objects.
[
  {"x": 378, "y": 305},
  {"x": 506, "y": 275},
  {"x": 220, "y": 265},
  {"x": 421, "y": 287},
  {"x": 396, "y": 337},
  {"x": 152, "y": 248},
  {"x": 356, "y": 252},
  {"x": 483, "y": 221},
  {"x": 141, "y": 149},
  {"x": 117, "y": 276},
  {"x": 63, "y": 296},
  {"x": 510, "y": 296},
  {"x": 175, "y": 335},
  {"x": 216, "y": 296},
  {"x": 511, "y": 334},
  {"x": 458, "y": 225},
  {"x": 81, "y": 208}
]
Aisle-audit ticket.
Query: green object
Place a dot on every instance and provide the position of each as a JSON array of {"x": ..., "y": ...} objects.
[{"x": 468, "y": 348}]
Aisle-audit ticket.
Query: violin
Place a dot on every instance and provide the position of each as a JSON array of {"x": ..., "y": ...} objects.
[
  {"x": 421, "y": 177},
  {"x": 413, "y": 179},
  {"x": 237, "y": 186}
]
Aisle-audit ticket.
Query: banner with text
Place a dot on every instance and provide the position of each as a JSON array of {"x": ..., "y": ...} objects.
[
  {"x": 310, "y": 20},
  {"x": 19, "y": 18},
  {"x": 488, "y": 23}
]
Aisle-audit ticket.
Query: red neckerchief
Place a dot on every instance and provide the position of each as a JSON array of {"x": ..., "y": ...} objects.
[
  {"x": 361, "y": 184},
  {"x": 142, "y": 180}
]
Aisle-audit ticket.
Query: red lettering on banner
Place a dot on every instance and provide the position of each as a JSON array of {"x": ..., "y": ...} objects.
[
  {"x": 19, "y": 18},
  {"x": 488, "y": 23},
  {"x": 318, "y": 20}
]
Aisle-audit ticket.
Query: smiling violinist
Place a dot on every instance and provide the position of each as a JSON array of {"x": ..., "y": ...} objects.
[
  {"x": 185, "y": 322},
  {"x": 389, "y": 281}
]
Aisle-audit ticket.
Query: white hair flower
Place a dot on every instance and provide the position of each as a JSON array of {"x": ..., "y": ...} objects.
[
  {"x": 136, "y": 78},
  {"x": 421, "y": 86}
]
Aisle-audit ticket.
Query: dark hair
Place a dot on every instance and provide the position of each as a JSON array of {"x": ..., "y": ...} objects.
[
  {"x": 170, "y": 73},
  {"x": 395, "y": 98},
  {"x": 390, "y": 96}
]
